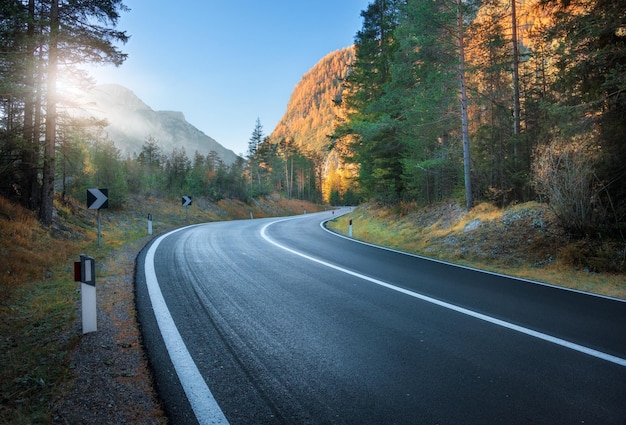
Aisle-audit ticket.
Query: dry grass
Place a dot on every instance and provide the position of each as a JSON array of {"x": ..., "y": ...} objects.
[
  {"x": 523, "y": 241},
  {"x": 37, "y": 305}
]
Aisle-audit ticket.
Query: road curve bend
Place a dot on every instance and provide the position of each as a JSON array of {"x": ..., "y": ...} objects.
[{"x": 276, "y": 321}]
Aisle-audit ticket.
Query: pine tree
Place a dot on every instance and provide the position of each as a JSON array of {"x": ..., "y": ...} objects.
[
  {"x": 590, "y": 59},
  {"x": 254, "y": 161},
  {"x": 255, "y": 139},
  {"x": 373, "y": 142},
  {"x": 424, "y": 90}
]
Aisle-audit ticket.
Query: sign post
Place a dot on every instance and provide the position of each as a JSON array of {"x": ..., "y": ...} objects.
[
  {"x": 96, "y": 200},
  {"x": 85, "y": 273},
  {"x": 186, "y": 202}
]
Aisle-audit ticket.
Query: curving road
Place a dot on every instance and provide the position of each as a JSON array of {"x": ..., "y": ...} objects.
[{"x": 280, "y": 321}]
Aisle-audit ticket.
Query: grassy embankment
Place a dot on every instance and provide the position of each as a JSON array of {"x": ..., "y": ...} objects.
[
  {"x": 522, "y": 241},
  {"x": 39, "y": 298}
]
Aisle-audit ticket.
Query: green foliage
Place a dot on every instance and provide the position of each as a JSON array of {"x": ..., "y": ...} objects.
[
  {"x": 397, "y": 124},
  {"x": 400, "y": 116},
  {"x": 281, "y": 166},
  {"x": 500, "y": 157},
  {"x": 371, "y": 118},
  {"x": 95, "y": 164},
  {"x": 256, "y": 138},
  {"x": 590, "y": 57},
  {"x": 42, "y": 45},
  {"x": 350, "y": 197}
]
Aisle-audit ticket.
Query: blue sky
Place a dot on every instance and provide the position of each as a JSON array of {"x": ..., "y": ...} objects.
[{"x": 224, "y": 63}]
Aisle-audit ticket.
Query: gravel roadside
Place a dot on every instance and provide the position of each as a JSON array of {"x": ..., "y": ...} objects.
[{"x": 112, "y": 381}]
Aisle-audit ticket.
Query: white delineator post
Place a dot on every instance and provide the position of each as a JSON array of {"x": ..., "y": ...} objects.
[
  {"x": 149, "y": 224},
  {"x": 350, "y": 229},
  {"x": 85, "y": 272}
]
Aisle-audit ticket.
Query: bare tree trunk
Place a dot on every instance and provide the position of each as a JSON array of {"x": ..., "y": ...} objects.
[
  {"x": 464, "y": 119},
  {"x": 516, "y": 101},
  {"x": 287, "y": 177},
  {"x": 30, "y": 152},
  {"x": 47, "y": 191},
  {"x": 291, "y": 180}
]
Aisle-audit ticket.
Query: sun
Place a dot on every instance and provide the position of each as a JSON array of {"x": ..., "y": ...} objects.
[{"x": 72, "y": 80}]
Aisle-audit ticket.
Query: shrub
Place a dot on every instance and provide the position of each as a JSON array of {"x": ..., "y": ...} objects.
[
  {"x": 564, "y": 172},
  {"x": 594, "y": 256}
]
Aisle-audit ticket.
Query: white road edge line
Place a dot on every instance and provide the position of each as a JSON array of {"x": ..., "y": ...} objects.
[
  {"x": 202, "y": 402},
  {"x": 558, "y": 341},
  {"x": 459, "y": 266}
]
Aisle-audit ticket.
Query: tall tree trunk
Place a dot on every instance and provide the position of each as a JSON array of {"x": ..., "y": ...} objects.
[
  {"x": 291, "y": 180},
  {"x": 47, "y": 191},
  {"x": 516, "y": 102},
  {"x": 464, "y": 120},
  {"x": 30, "y": 152}
]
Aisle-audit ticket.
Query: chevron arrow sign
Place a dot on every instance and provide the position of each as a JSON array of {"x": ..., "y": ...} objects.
[
  {"x": 97, "y": 199},
  {"x": 186, "y": 201}
]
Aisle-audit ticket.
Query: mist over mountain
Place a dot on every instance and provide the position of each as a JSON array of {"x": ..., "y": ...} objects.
[{"x": 131, "y": 122}]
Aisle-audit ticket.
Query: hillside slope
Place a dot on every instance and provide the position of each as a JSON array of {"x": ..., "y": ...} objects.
[{"x": 309, "y": 116}]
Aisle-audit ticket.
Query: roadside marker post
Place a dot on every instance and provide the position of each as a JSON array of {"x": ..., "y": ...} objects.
[
  {"x": 96, "y": 200},
  {"x": 149, "y": 224},
  {"x": 186, "y": 201},
  {"x": 350, "y": 229},
  {"x": 85, "y": 273}
]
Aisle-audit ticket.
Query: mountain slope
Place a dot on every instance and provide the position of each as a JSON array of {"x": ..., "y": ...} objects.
[
  {"x": 310, "y": 114},
  {"x": 131, "y": 122},
  {"x": 310, "y": 118}
]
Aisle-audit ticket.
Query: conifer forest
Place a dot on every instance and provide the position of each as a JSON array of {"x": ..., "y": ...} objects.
[{"x": 501, "y": 101}]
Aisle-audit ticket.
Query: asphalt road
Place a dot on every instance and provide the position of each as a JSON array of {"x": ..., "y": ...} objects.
[{"x": 280, "y": 321}]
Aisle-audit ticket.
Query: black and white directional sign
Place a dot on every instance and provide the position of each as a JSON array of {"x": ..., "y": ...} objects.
[
  {"x": 186, "y": 201},
  {"x": 97, "y": 199}
]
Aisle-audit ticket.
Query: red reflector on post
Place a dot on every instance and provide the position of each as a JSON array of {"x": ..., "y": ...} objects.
[{"x": 77, "y": 271}]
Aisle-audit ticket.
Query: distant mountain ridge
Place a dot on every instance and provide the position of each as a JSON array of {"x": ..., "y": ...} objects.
[{"x": 131, "y": 122}]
